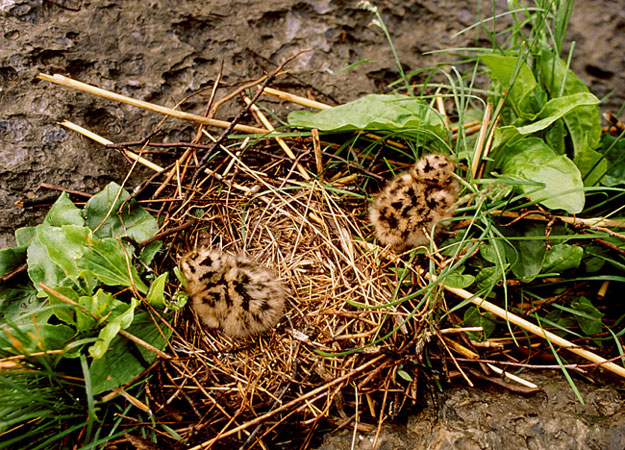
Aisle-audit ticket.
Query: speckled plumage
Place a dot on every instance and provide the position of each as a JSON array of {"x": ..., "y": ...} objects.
[
  {"x": 415, "y": 201},
  {"x": 233, "y": 293}
]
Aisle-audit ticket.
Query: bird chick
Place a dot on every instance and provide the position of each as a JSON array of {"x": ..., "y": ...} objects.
[
  {"x": 233, "y": 293},
  {"x": 413, "y": 202}
]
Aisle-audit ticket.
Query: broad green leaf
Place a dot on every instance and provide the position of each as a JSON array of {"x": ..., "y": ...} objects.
[
  {"x": 588, "y": 317},
  {"x": 36, "y": 338},
  {"x": 613, "y": 149},
  {"x": 562, "y": 257},
  {"x": 555, "y": 137},
  {"x": 514, "y": 76},
  {"x": 592, "y": 165},
  {"x": 105, "y": 260},
  {"x": 109, "y": 212},
  {"x": 24, "y": 236},
  {"x": 487, "y": 277},
  {"x": 120, "y": 318},
  {"x": 557, "y": 108},
  {"x": 19, "y": 302},
  {"x": 149, "y": 252},
  {"x": 473, "y": 317},
  {"x": 65, "y": 312},
  {"x": 156, "y": 294},
  {"x": 583, "y": 123},
  {"x": 529, "y": 253},
  {"x": 66, "y": 246},
  {"x": 534, "y": 161},
  {"x": 101, "y": 304},
  {"x": 11, "y": 258},
  {"x": 373, "y": 112},
  {"x": 106, "y": 335},
  {"x": 63, "y": 212},
  {"x": 456, "y": 279},
  {"x": 122, "y": 362},
  {"x": 494, "y": 252},
  {"x": 42, "y": 269}
]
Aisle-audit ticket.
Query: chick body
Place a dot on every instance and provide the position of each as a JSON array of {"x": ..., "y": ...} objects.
[
  {"x": 233, "y": 293},
  {"x": 413, "y": 202}
]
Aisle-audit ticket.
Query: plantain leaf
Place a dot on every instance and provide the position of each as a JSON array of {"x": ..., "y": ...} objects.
[
  {"x": 105, "y": 260},
  {"x": 373, "y": 112},
  {"x": 112, "y": 216},
  {"x": 534, "y": 161}
]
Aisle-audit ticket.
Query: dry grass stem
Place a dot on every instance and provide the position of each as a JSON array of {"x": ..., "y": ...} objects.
[
  {"x": 68, "y": 82},
  {"x": 95, "y": 137},
  {"x": 534, "y": 329}
]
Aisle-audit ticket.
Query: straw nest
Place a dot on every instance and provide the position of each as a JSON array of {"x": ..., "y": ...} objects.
[{"x": 284, "y": 384}]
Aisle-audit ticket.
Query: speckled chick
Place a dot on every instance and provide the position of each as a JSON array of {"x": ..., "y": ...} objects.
[
  {"x": 233, "y": 293},
  {"x": 415, "y": 201}
]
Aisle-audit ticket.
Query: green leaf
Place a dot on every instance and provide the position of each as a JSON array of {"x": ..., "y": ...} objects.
[
  {"x": 534, "y": 161},
  {"x": 123, "y": 362},
  {"x": 149, "y": 252},
  {"x": 587, "y": 316},
  {"x": 156, "y": 294},
  {"x": 613, "y": 149},
  {"x": 101, "y": 304},
  {"x": 66, "y": 246},
  {"x": 473, "y": 317},
  {"x": 109, "y": 212},
  {"x": 19, "y": 302},
  {"x": 503, "y": 70},
  {"x": 555, "y": 137},
  {"x": 456, "y": 279},
  {"x": 404, "y": 375},
  {"x": 592, "y": 165},
  {"x": 562, "y": 257},
  {"x": 105, "y": 260},
  {"x": 494, "y": 252},
  {"x": 373, "y": 112},
  {"x": 66, "y": 312},
  {"x": 63, "y": 212},
  {"x": 36, "y": 338},
  {"x": 121, "y": 317},
  {"x": 24, "y": 235},
  {"x": 42, "y": 269},
  {"x": 487, "y": 277},
  {"x": 555, "y": 109},
  {"x": 530, "y": 253},
  {"x": 583, "y": 123},
  {"x": 11, "y": 258}
]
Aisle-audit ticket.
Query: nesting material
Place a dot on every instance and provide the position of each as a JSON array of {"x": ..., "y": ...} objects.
[
  {"x": 233, "y": 293},
  {"x": 405, "y": 213}
]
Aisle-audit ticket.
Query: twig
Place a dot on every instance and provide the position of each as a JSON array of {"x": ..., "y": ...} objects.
[
  {"x": 62, "y": 189},
  {"x": 534, "y": 329},
  {"x": 295, "y": 99},
  {"x": 588, "y": 223},
  {"x": 68, "y": 82},
  {"x": 293, "y": 402},
  {"x": 91, "y": 135},
  {"x": 279, "y": 140},
  {"x": 477, "y": 156},
  {"x": 232, "y": 125}
]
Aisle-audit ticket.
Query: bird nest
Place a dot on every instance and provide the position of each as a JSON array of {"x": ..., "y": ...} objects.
[{"x": 334, "y": 356}]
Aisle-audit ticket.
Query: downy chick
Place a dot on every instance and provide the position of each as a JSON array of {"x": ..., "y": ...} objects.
[
  {"x": 413, "y": 202},
  {"x": 233, "y": 293}
]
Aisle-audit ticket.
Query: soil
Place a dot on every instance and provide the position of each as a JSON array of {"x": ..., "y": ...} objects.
[{"x": 161, "y": 51}]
